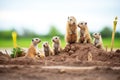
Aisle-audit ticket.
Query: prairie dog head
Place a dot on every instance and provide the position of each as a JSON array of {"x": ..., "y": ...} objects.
[
  {"x": 45, "y": 45},
  {"x": 82, "y": 25},
  {"x": 96, "y": 35},
  {"x": 36, "y": 41},
  {"x": 71, "y": 20},
  {"x": 56, "y": 39}
]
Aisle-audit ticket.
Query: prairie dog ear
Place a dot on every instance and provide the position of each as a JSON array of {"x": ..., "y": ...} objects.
[
  {"x": 32, "y": 40},
  {"x": 51, "y": 39},
  {"x": 79, "y": 24},
  {"x": 68, "y": 17},
  {"x": 99, "y": 34},
  {"x": 93, "y": 34},
  {"x": 40, "y": 40}
]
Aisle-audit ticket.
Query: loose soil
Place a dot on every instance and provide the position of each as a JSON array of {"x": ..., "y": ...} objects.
[{"x": 74, "y": 55}]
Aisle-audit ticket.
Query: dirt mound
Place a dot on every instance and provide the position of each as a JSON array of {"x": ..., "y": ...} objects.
[
  {"x": 73, "y": 55},
  {"x": 82, "y": 51},
  {"x": 77, "y": 54}
]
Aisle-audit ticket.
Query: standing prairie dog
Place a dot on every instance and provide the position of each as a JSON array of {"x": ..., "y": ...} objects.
[
  {"x": 71, "y": 30},
  {"x": 84, "y": 33},
  {"x": 56, "y": 45},
  {"x": 46, "y": 49},
  {"x": 97, "y": 41},
  {"x": 33, "y": 49}
]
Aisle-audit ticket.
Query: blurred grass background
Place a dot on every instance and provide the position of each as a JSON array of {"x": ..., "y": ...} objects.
[{"x": 24, "y": 40}]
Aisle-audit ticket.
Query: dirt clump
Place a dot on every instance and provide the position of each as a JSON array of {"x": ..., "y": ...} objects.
[
  {"x": 117, "y": 51},
  {"x": 4, "y": 58}
]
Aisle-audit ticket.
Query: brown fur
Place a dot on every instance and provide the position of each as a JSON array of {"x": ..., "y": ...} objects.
[
  {"x": 56, "y": 45},
  {"x": 32, "y": 51},
  {"x": 46, "y": 49},
  {"x": 84, "y": 33},
  {"x": 97, "y": 41},
  {"x": 71, "y": 30}
]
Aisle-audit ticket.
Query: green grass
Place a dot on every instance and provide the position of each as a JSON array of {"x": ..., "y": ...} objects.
[
  {"x": 25, "y": 42},
  {"x": 107, "y": 42}
]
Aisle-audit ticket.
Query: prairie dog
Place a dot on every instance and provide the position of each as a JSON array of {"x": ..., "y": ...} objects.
[
  {"x": 46, "y": 49},
  {"x": 97, "y": 41},
  {"x": 56, "y": 45},
  {"x": 33, "y": 49},
  {"x": 71, "y": 30},
  {"x": 84, "y": 33}
]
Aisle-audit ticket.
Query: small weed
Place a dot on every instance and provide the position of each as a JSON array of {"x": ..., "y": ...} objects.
[{"x": 16, "y": 52}]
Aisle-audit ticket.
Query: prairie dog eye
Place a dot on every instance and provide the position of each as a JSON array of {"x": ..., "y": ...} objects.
[
  {"x": 70, "y": 19},
  {"x": 95, "y": 33},
  {"x": 36, "y": 39},
  {"x": 56, "y": 38},
  {"x": 81, "y": 23},
  {"x": 32, "y": 40},
  {"x": 85, "y": 23}
]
